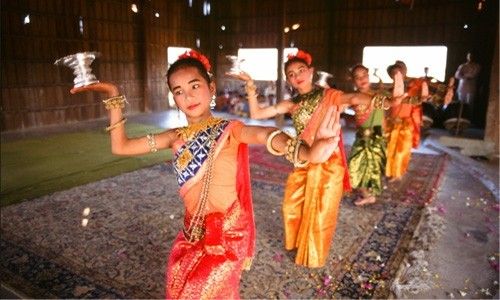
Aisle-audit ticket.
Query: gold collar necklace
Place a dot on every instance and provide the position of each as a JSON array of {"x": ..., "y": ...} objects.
[{"x": 190, "y": 131}]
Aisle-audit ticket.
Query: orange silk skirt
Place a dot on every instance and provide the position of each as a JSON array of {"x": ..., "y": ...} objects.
[
  {"x": 310, "y": 209},
  {"x": 399, "y": 133}
]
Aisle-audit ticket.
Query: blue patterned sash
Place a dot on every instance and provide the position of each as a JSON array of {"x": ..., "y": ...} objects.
[{"x": 191, "y": 156}]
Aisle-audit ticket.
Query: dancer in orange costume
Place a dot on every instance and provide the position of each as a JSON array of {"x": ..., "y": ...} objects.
[
  {"x": 313, "y": 193},
  {"x": 403, "y": 123},
  {"x": 211, "y": 165}
]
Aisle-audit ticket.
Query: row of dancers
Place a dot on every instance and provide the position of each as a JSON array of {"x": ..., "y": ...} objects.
[{"x": 217, "y": 241}]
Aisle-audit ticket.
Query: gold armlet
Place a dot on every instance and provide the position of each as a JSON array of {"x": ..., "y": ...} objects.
[
  {"x": 113, "y": 126},
  {"x": 413, "y": 100},
  {"x": 152, "y": 143},
  {"x": 115, "y": 102},
  {"x": 379, "y": 102},
  {"x": 269, "y": 143}
]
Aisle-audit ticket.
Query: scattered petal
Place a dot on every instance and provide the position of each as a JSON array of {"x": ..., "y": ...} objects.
[
  {"x": 326, "y": 280},
  {"x": 441, "y": 210},
  {"x": 86, "y": 211},
  {"x": 278, "y": 257}
]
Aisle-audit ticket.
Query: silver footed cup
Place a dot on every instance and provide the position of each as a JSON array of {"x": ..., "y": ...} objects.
[
  {"x": 323, "y": 77},
  {"x": 235, "y": 64},
  {"x": 80, "y": 63}
]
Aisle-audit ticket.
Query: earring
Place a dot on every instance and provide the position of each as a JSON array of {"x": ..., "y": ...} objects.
[
  {"x": 212, "y": 103},
  {"x": 178, "y": 114}
]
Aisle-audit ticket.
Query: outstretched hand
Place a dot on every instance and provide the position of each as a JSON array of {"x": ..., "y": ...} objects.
[
  {"x": 398, "y": 90},
  {"x": 327, "y": 136},
  {"x": 101, "y": 87},
  {"x": 448, "y": 97},
  {"x": 240, "y": 76},
  {"x": 399, "y": 85},
  {"x": 424, "y": 94}
]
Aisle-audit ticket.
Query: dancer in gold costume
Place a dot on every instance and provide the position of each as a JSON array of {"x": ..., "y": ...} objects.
[{"x": 313, "y": 192}]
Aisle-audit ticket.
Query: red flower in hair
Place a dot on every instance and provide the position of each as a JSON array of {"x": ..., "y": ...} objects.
[
  {"x": 199, "y": 57},
  {"x": 302, "y": 55}
]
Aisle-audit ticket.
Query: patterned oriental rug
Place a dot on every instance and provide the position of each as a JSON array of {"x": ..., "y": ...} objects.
[{"x": 111, "y": 238}]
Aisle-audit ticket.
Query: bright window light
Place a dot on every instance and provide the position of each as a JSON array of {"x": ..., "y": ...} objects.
[
  {"x": 173, "y": 53},
  {"x": 80, "y": 24},
  {"x": 26, "y": 19},
  {"x": 416, "y": 59},
  {"x": 206, "y": 8},
  {"x": 262, "y": 63}
]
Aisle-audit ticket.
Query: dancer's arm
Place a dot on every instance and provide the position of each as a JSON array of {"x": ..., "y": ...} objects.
[
  {"x": 257, "y": 112},
  {"x": 325, "y": 142},
  {"x": 398, "y": 90},
  {"x": 120, "y": 143}
]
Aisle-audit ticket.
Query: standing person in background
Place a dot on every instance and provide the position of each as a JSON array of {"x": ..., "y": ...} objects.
[
  {"x": 467, "y": 80},
  {"x": 211, "y": 166},
  {"x": 367, "y": 158},
  {"x": 313, "y": 192}
]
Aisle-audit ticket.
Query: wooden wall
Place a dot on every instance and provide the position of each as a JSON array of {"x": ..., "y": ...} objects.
[
  {"x": 335, "y": 32},
  {"x": 133, "y": 49},
  {"x": 134, "y": 45},
  {"x": 416, "y": 22}
]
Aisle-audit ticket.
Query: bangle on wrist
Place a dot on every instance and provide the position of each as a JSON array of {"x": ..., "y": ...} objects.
[
  {"x": 152, "y": 143},
  {"x": 269, "y": 143},
  {"x": 292, "y": 152},
  {"x": 113, "y": 126},
  {"x": 115, "y": 102}
]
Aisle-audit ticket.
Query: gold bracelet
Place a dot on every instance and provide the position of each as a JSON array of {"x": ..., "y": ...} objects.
[
  {"x": 269, "y": 143},
  {"x": 250, "y": 87},
  {"x": 290, "y": 149},
  {"x": 152, "y": 143},
  {"x": 121, "y": 122},
  {"x": 296, "y": 162},
  {"x": 115, "y": 102},
  {"x": 292, "y": 152},
  {"x": 384, "y": 107}
]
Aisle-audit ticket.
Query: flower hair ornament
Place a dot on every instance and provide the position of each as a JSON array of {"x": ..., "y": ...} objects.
[
  {"x": 301, "y": 55},
  {"x": 199, "y": 57}
]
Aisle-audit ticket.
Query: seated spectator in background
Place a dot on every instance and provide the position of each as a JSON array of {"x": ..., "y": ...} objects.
[{"x": 222, "y": 102}]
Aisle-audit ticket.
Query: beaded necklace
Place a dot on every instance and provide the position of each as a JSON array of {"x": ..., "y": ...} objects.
[
  {"x": 307, "y": 103},
  {"x": 196, "y": 228}
]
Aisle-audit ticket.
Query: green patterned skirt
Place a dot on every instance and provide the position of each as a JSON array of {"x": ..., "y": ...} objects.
[{"x": 367, "y": 159}]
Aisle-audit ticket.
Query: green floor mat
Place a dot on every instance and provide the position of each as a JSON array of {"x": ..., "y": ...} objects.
[{"x": 40, "y": 166}]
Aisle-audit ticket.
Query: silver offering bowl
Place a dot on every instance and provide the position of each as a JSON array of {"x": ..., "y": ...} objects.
[
  {"x": 235, "y": 64},
  {"x": 323, "y": 77},
  {"x": 80, "y": 63}
]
